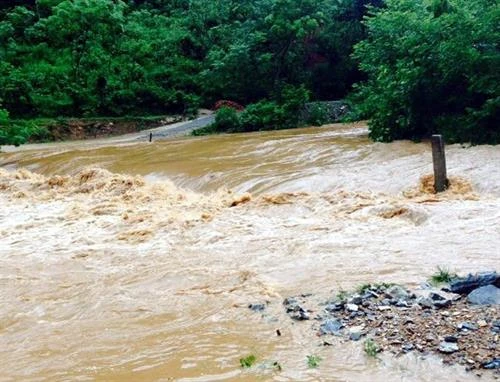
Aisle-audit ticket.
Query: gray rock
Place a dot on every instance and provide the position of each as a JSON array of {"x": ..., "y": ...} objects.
[
  {"x": 331, "y": 326},
  {"x": 300, "y": 315},
  {"x": 370, "y": 294},
  {"x": 442, "y": 304},
  {"x": 386, "y": 301},
  {"x": 290, "y": 301},
  {"x": 467, "y": 326},
  {"x": 352, "y": 307},
  {"x": 425, "y": 302},
  {"x": 402, "y": 304},
  {"x": 383, "y": 307},
  {"x": 257, "y": 307},
  {"x": 408, "y": 347},
  {"x": 486, "y": 295},
  {"x": 356, "y": 299},
  {"x": 356, "y": 332},
  {"x": 495, "y": 327},
  {"x": 467, "y": 284},
  {"x": 397, "y": 292},
  {"x": 355, "y": 336},
  {"x": 448, "y": 347},
  {"x": 335, "y": 307},
  {"x": 493, "y": 364}
]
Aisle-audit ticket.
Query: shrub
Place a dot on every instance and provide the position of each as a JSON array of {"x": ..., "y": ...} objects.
[
  {"x": 19, "y": 132},
  {"x": 317, "y": 114},
  {"x": 263, "y": 115},
  {"x": 226, "y": 120}
]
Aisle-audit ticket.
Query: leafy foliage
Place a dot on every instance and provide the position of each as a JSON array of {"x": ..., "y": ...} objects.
[
  {"x": 313, "y": 361},
  {"x": 432, "y": 67},
  {"x": 371, "y": 348},
  {"x": 248, "y": 361},
  {"x": 443, "y": 275},
  {"x": 422, "y": 67},
  {"x": 18, "y": 132}
]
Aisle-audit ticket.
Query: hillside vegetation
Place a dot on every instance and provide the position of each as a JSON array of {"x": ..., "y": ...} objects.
[{"x": 411, "y": 67}]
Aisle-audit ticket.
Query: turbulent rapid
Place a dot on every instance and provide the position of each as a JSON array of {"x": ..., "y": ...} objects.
[{"x": 122, "y": 261}]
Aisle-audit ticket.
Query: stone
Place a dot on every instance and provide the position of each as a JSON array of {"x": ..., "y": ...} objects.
[
  {"x": 467, "y": 326},
  {"x": 402, "y": 304},
  {"x": 448, "y": 347},
  {"x": 331, "y": 326},
  {"x": 397, "y": 292},
  {"x": 384, "y": 307},
  {"x": 335, "y": 307},
  {"x": 493, "y": 364},
  {"x": 356, "y": 299},
  {"x": 495, "y": 327},
  {"x": 355, "y": 336},
  {"x": 442, "y": 304},
  {"x": 257, "y": 307},
  {"x": 425, "y": 302},
  {"x": 486, "y": 295},
  {"x": 352, "y": 307},
  {"x": 408, "y": 347},
  {"x": 300, "y": 315},
  {"x": 464, "y": 285},
  {"x": 290, "y": 301},
  {"x": 356, "y": 332},
  {"x": 450, "y": 339}
]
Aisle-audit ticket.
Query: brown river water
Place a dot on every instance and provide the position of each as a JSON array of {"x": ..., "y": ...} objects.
[{"x": 125, "y": 261}]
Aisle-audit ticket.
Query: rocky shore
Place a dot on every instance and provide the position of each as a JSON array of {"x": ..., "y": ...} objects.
[{"x": 459, "y": 320}]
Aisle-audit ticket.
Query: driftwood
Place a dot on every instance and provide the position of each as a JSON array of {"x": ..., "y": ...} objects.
[{"x": 464, "y": 285}]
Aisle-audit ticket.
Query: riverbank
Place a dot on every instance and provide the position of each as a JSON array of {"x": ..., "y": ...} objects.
[
  {"x": 459, "y": 321},
  {"x": 71, "y": 129}
]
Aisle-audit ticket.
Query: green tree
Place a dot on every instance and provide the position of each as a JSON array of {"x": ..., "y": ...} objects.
[{"x": 432, "y": 67}]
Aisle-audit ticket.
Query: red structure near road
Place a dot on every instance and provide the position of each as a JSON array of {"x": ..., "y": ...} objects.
[{"x": 226, "y": 103}]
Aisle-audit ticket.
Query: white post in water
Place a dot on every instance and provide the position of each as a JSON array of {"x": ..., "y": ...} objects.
[{"x": 439, "y": 162}]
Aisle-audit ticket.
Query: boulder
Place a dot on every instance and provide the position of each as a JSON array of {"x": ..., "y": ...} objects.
[
  {"x": 464, "y": 285},
  {"x": 486, "y": 295},
  {"x": 397, "y": 292}
]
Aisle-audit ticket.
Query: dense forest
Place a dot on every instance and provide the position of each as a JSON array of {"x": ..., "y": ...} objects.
[{"x": 412, "y": 67}]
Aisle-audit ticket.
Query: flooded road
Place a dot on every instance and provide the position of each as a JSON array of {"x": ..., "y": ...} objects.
[{"x": 127, "y": 262}]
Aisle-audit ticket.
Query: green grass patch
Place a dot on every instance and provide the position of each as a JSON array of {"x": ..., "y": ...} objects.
[
  {"x": 371, "y": 348},
  {"x": 377, "y": 286},
  {"x": 313, "y": 361},
  {"x": 442, "y": 275},
  {"x": 248, "y": 361}
]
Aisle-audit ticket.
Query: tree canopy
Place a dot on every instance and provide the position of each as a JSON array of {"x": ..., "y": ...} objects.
[
  {"x": 418, "y": 67},
  {"x": 432, "y": 67}
]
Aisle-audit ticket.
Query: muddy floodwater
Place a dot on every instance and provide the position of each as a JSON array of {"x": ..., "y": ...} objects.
[{"x": 124, "y": 261}]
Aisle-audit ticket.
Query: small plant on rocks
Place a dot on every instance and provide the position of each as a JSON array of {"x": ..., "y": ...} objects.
[{"x": 443, "y": 275}]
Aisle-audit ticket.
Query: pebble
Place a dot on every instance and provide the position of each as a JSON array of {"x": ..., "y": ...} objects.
[
  {"x": 257, "y": 307},
  {"x": 352, "y": 307},
  {"x": 467, "y": 326},
  {"x": 494, "y": 364},
  {"x": 448, "y": 347}
]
